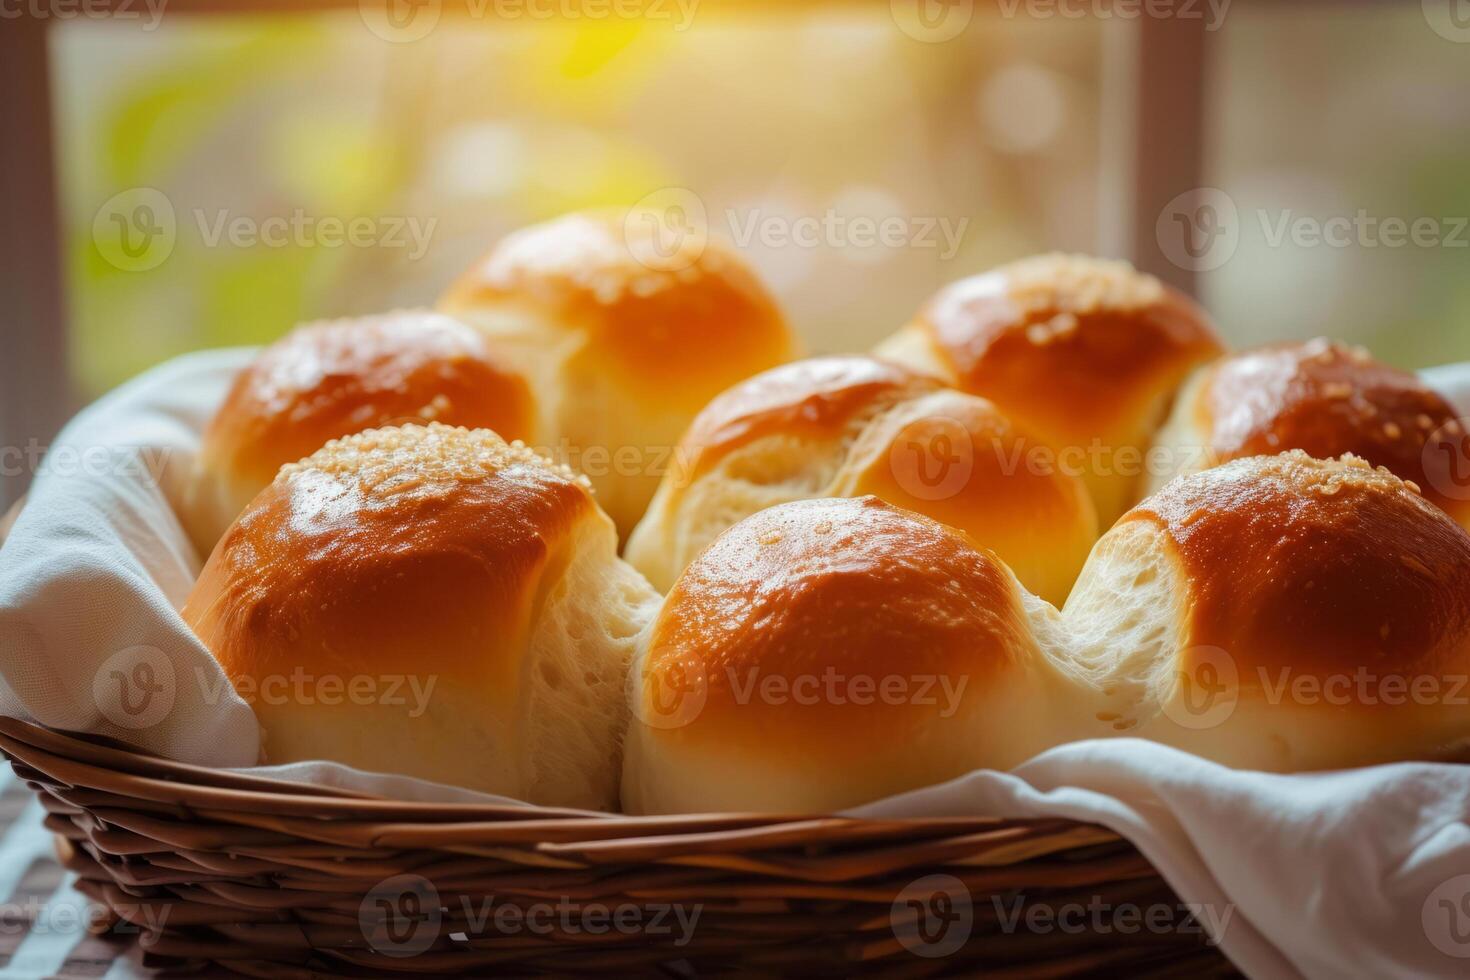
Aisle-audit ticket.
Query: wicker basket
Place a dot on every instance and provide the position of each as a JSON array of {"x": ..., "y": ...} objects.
[{"x": 278, "y": 879}]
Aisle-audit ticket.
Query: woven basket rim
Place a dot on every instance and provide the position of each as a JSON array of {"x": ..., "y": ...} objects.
[{"x": 77, "y": 758}]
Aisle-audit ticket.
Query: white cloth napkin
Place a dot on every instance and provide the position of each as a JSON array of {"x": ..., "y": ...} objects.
[
  {"x": 1360, "y": 873},
  {"x": 96, "y": 567}
]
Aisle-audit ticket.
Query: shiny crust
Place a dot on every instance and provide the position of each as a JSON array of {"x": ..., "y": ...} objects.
[
  {"x": 327, "y": 380},
  {"x": 413, "y": 548},
  {"x": 1068, "y": 342},
  {"x": 1326, "y": 399},
  {"x": 816, "y": 398},
  {"x": 1085, "y": 353},
  {"x": 1317, "y": 566},
  {"x": 959, "y": 459},
  {"x": 843, "y": 587},
  {"x": 688, "y": 322},
  {"x": 883, "y": 430}
]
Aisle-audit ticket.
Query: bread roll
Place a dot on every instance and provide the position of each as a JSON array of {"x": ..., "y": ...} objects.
[
  {"x": 849, "y": 426},
  {"x": 1321, "y": 397},
  {"x": 327, "y": 380},
  {"x": 434, "y": 602},
  {"x": 625, "y": 342},
  {"x": 1279, "y": 613},
  {"x": 1282, "y": 613},
  {"x": 827, "y": 652},
  {"x": 1085, "y": 353}
]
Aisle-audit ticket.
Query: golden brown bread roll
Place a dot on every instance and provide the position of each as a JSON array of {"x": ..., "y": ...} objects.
[
  {"x": 623, "y": 350},
  {"x": 327, "y": 380},
  {"x": 1085, "y": 353},
  {"x": 827, "y": 652},
  {"x": 849, "y": 426},
  {"x": 1281, "y": 613},
  {"x": 1324, "y": 398},
  {"x": 433, "y": 602}
]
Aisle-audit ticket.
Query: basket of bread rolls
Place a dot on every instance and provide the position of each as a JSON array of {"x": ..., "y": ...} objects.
[{"x": 1053, "y": 495}]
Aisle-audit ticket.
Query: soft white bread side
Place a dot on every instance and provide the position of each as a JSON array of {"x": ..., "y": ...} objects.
[
  {"x": 1324, "y": 398},
  {"x": 1281, "y": 613},
  {"x": 850, "y": 426},
  {"x": 434, "y": 602},
  {"x": 1087, "y": 354},
  {"x": 326, "y": 380},
  {"x": 624, "y": 342}
]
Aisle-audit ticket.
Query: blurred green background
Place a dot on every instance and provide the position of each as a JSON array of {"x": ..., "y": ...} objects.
[{"x": 479, "y": 128}]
